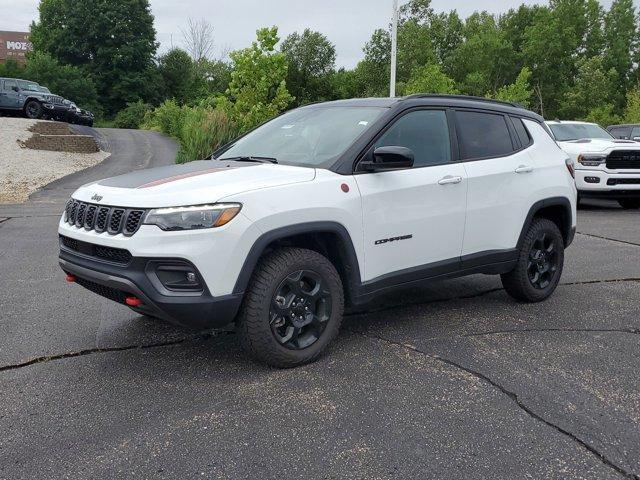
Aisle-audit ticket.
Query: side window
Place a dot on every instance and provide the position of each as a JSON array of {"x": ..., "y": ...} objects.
[
  {"x": 9, "y": 84},
  {"x": 621, "y": 132},
  {"x": 522, "y": 132},
  {"x": 635, "y": 133},
  {"x": 483, "y": 135},
  {"x": 425, "y": 132}
]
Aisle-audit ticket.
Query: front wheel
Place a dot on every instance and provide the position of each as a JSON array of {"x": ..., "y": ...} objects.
[
  {"x": 540, "y": 262},
  {"x": 629, "y": 203},
  {"x": 292, "y": 309},
  {"x": 33, "y": 110}
]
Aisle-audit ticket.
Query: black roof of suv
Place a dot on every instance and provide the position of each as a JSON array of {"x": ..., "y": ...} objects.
[{"x": 438, "y": 100}]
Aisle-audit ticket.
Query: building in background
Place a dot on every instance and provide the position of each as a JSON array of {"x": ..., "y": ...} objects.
[{"x": 14, "y": 45}]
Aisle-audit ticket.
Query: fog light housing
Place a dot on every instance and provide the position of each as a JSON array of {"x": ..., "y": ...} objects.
[
  {"x": 592, "y": 179},
  {"x": 174, "y": 276}
]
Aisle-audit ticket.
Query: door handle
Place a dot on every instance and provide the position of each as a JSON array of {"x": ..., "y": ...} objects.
[
  {"x": 524, "y": 169},
  {"x": 449, "y": 179}
]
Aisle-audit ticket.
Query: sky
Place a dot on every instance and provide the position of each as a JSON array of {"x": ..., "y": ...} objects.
[{"x": 347, "y": 23}]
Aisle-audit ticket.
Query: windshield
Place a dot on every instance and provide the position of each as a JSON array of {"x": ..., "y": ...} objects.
[
  {"x": 565, "y": 132},
  {"x": 29, "y": 86},
  {"x": 311, "y": 137},
  {"x": 44, "y": 89}
]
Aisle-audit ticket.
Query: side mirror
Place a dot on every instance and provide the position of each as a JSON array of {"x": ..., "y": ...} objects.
[
  {"x": 15, "y": 89},
  {"x": 389, "y": 158}
]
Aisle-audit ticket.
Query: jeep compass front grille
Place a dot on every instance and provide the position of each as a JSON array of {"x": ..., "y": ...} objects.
[
  {"x": 113, "y": 220},
  {"x": 624, "y": 159}
]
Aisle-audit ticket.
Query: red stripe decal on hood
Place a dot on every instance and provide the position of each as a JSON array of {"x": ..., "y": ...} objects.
[{"x": 180, "y": 177}]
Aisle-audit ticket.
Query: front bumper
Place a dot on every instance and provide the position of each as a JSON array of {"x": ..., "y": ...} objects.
[
  {"x": 197, "y": 310},
  {"x": 603, "y": 183},
  {"x": 59, "y": 112}
]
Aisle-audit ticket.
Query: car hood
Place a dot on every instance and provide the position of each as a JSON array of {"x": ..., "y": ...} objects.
[
  {"x": 194, "y": 183},
  {"x": 597, "y": 145}
]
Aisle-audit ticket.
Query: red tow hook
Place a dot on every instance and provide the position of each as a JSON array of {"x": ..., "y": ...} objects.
[
  {"x": 133, "y": 301},
  {"x": 71, "y": 278}
]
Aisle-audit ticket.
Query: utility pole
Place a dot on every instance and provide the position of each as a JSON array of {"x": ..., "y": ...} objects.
[{"x": 394, "y": 49}]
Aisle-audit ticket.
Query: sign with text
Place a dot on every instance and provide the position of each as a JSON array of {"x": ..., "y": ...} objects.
[{"x": 14, "y": 45}]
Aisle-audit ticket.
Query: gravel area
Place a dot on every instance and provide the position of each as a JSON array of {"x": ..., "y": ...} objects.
[{"x": 23, "y": 171}]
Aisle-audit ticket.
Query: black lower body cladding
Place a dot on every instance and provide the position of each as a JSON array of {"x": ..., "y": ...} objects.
[{"x": 192, "y": 309}]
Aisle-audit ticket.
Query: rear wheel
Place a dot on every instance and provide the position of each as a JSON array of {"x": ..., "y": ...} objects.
[
  {"x": 33, "y": 110},
  {"x": 540, "y": 263},
  {"x": 292, "y": 309},
  {"x": 629, "y": 203}
]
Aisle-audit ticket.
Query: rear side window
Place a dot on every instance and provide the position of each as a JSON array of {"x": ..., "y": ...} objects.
[
  {"x": 483, "y": 135},
  {"x": 522, "y": 132},
  {"x": 425, "y": 132},
  {"x": 8, "y": 84}
]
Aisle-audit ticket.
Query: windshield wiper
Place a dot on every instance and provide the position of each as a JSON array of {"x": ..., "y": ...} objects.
[{"x": 251, "y": 159}]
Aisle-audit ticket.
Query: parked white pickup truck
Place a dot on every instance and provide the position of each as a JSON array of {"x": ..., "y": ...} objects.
[{"x": 605, "y": 166}]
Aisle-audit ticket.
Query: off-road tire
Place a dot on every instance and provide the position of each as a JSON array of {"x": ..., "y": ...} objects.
[
  {"x": 253, "y": 322},
  {"x": 629, "y": 203},
  {"x": 33, "y": 110},
  {"x": 518, "y": 283}
]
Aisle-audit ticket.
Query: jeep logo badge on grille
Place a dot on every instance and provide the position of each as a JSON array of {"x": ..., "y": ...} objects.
[{"x": 96, "y": 197}]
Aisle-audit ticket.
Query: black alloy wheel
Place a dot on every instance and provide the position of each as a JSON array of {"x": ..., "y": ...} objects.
[
  {"x": 540, "y": 262},
  {"x": 292, "y": 308},
  {"x": 300, "y": 309},
  {"x": 33, "y": 110},
  {"x": 543, "y": 261}
]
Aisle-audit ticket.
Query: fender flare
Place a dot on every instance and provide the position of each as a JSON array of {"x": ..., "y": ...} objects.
[
  {"x": 352, "y": 268},
  {"x": 563, "y": 202}
]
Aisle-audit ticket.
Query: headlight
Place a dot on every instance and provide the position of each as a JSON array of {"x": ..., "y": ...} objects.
[
  {"x": 193, "y": 218},
  {"x": 591, "y": 160}
]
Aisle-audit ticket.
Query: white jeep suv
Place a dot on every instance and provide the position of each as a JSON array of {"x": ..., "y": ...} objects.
[
  {"x": 605, "y": 167},
  {"x": 324, "y": 208}
]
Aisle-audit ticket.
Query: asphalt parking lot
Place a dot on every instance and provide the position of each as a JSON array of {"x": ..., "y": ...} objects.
[{"x": 453, "y": 381}]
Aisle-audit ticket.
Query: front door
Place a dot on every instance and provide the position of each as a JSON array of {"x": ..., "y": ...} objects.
[{"x": 414, "y": 218}]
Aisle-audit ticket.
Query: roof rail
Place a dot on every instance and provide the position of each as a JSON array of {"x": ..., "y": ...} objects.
[{"x": 463, "y": 97}]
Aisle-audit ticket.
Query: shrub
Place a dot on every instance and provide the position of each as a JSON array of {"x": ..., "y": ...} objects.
[
  {"x": 204, "y": 131},
  {"x": 132, "y": 116},
  {"x": 168, "y": 118}
]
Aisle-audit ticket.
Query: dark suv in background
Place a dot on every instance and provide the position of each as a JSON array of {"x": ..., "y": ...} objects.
[
  {"x": 625, "y": 132},
  {"x": 35, "y": 101}
]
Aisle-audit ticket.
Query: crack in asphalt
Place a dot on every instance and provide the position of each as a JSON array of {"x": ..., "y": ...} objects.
[
  {"x": 609, "y": 239},
  {"x": 2, "y": 220},
  {"x": 93, "y": 351},
  {"x": 631, "y": 331},
  {"x": 514, "y": 397}
]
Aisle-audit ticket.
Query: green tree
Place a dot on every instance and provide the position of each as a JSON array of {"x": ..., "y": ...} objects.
[
  {"x": 69, "y": 82},
  {"x": 212, "y": 77},
  {"x": 258, "y": 90},
  {"x": 113, "y": 40},
  {"x": 311, "y": 58},
  {"x": 430, "y": 79},
  {"x": 178, "y": 75},
  {"x": 12, "y": 69},
  {"x": 621, "y": 33},
  {"x": 632, "y": 109},
  {"x": 484, "y": 61},
  {"x": 374, "y": 71},
  {"x": 591, "y": 92},
  {"x": 519, "y": 92}
]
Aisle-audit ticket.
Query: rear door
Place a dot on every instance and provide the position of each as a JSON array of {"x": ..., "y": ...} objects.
[
  {"x": 501, "y": 175},
  {"x": 9, "y": 98},
  {"x": 414, "y": 218}
]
